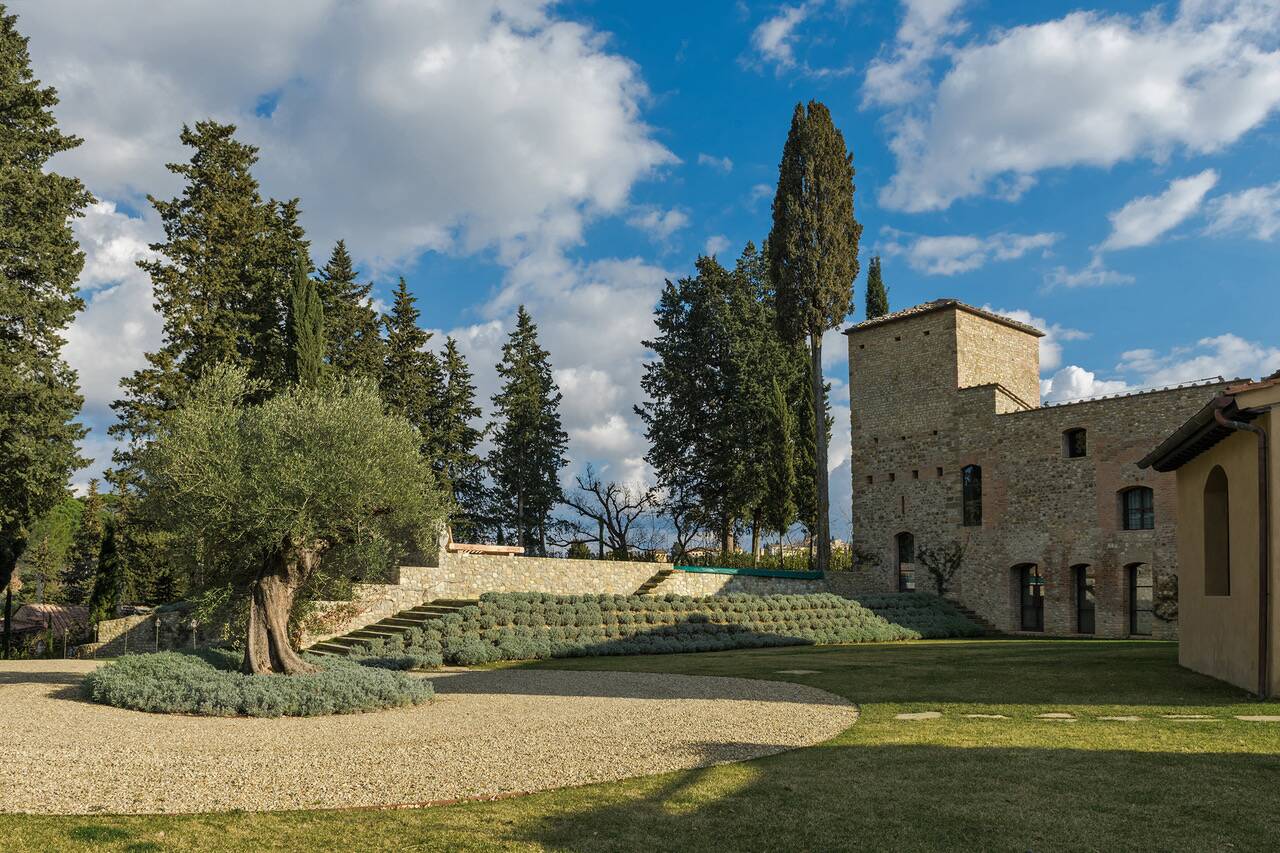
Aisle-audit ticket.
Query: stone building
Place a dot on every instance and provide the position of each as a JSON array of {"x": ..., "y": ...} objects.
[{"x": 1063, "y": 532}]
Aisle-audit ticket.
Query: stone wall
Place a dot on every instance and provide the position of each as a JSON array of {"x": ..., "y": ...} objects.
[
  {"x": 1038, "y": 506},
  {"x": 132, "y": 634}
]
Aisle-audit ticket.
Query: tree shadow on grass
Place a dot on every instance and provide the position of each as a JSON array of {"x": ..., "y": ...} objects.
[{"x": 936, "y": 798}]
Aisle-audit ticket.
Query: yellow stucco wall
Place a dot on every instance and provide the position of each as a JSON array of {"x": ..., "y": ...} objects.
[{"x": 1218, "y": 634}]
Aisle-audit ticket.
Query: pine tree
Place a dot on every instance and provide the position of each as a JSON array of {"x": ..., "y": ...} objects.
[
  {"x": 453, "y": 444},
  {"x": 411, "y": 376},
  {"x": 109, "y": 582},
  {"x": 39, "y": 264},
  {"x": 306, "y": 331},
  {"x": 877, "y": 294},
  {"x": 813, "y": 261},
  {"x": 529, "y": 443},
  {"x": 222, "y": 279},
  {"x": 82, "y": 561},
  {"x": 352, "y": 329}
]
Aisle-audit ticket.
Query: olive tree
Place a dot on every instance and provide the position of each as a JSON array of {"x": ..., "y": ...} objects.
[{"x": 268, "y": 498}]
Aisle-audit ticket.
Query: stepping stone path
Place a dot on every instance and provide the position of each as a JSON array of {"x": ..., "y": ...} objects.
[
  {"x": 1056, "y": 715},
  {"x": 922, "y": 715},
  {"x": 1260, "y": 718},
  {"x": 1122, "y": 719},
  {"x": 797, "y": 671},
  {"x": 1189, "y": 718},
  {"x": 986, "y": 716}
]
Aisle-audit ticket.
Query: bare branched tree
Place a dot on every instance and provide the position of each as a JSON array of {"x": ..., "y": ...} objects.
[
  {"x": 610, "y": 512},
  {"x": 942, "y": 562},
  {"x": 688, "y": 521}
]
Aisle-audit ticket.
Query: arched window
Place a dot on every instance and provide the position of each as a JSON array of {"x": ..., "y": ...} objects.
[
  {"x": 1137, "y": 508},
  {"x": 1075, "y": 443},
  {"x": 971, "y": 493},
  {"x": 1086, "y": 598},
  {"x": 1217, "y": 534},
  {"x": 906, "y": 562}
]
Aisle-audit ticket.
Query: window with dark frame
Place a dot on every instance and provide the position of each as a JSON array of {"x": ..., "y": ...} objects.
[
  {"x": 971, "y": 494},
  {"x": 1075, "y": 443},
  {"x": 1137, "y": 508}
]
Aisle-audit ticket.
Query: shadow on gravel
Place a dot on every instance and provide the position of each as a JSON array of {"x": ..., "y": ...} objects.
[
  {"x": 8, "y": 677},
  {"x": 625, "y": 685}
]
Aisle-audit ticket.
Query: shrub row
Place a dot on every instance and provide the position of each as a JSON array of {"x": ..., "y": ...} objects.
[
  {"x": 530, "y": 626},
  {"x": 180, "y": 683},
  {"x": 928, "y": 615}
]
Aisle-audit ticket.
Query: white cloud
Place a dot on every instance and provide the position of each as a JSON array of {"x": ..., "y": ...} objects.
[
  {"x": 901, "y": 76},
  {"x": 759, "y": 192},
  {"x": 723, "y": 164},
  {"x": 1074, "y": 383},
  {"x": 716, "y": 244},
  {"x": 1227, "y": 355},
  {"x": 774, "y": 38},
  {"x": 1087, "y": 89},
  {"x": 957, "y": 253},
  {"x": 1054, "y": 334},
  {"x": 1254, "y": 212},
  {"x": 1095, "y": 274},
  {"x": 1143, "y": 220},
  {"x": 659, "y": 224}
]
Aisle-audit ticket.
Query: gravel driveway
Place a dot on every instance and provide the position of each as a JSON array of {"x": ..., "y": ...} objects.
[{"x": 486, "y": 733}]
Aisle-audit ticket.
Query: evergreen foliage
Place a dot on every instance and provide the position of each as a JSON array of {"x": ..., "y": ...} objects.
[
  {"x": 453, "y": 440},
  {"x": 528, "y": 440},
  {"x": 813, "y": 260},
  {"x": 352, "y": 329},
  {"x": 877, "y": 294},
  {"x": 780, "y": 480},
  {"x": 222, "y": 279},
  {"x": 306, "y": 330},
  {"x": 109, "y": 580},
  {"x": 39, "y": 264},
  {"x": 411, "y": 376},
  {"x": 82, "y": 559}
]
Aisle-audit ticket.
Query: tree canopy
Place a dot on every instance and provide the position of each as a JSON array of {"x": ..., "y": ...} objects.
[{"x": 877, "y": 293}]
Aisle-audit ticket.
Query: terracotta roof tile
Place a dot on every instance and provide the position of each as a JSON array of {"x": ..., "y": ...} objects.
[{"x": 938, "y": 305}]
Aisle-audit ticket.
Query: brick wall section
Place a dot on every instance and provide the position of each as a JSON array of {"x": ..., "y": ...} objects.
[{"x": 959, "y": 396}]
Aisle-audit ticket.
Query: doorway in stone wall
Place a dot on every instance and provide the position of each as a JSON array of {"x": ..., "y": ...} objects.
[
  {"x": 906, "y": 548},
  {"x": 1086, "y": 599},
  {"x": 1141, "y": 587},
  {"x": 1031, "y": 595}
]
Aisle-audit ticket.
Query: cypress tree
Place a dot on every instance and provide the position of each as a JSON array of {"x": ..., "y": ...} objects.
[
  {"x": 306, "y": 330},
  {"x": 453, "y": 444},
  {"x": 82, "y": 561},
  {"x": 411, "y": 376},
  {"x": 529, "y": 443},
  {"x": 109, "y": 582},
  {"x": 39, "y": 264},
  {"x": 877, "y": 294},
  {"x": 353, "y": 342},
  {"x": 813, "y": 261},
  {"x": 222, "y": 279}
]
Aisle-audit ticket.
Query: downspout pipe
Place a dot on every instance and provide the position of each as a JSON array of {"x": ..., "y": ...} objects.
[{"x": 1264, "y": 548}]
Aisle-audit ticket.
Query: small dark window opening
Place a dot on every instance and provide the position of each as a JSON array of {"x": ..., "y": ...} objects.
[
  {"x": 926, "y": 333},
  {"x": 939, "y": 472},
  {"x": 897, "y": 338},
  {"x": 915, "y": 475},
  {"x": 1137, "y": 508},
  {"x": 870, "y": 479},
  {"x": 862, "y": 346},
  {"x": 1075, "y": 444},
  {"x": 971, "y": 494},
  {"x": 1217, "y": 534},
  {"x": 892, "y": 477},
  {"x": 906, "y": 562}
]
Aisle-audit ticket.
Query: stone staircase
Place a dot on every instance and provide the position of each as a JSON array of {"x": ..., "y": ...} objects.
[
  {"x": 654, "y": 582},
  {"x": 987, "y": 627},
  {"x": 392, "y": 626}
]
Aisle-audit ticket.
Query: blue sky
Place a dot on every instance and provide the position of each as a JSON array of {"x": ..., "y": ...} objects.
[{"x": 1107, "y": 172}]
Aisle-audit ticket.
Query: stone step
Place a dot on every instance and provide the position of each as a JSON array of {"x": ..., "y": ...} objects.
[{"x": 402, "y": 622}]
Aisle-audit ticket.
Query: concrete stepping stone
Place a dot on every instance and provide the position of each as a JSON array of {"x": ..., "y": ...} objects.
[
  {"x": 986, "y": 716},
  {"x": 1189, "y": 718},
  {"x": 1123, "y": 718},
  {"x": 1259, "y": 718},
  {"x": 1056, "y": 715},
  {"x": 919, "y": 715},
  {"x": 797, "y": 671}
]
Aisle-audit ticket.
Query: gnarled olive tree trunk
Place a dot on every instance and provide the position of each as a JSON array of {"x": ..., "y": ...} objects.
[{"x": 283, "y": 573}]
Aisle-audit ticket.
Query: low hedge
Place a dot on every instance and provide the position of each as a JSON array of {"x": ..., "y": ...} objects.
[
  {"x": 532, "y": 626},
  {"x": 928, "y": 615},
  {"x": 209, "y": 685}
]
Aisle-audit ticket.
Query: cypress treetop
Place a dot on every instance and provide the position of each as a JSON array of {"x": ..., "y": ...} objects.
[
  {"x": 306, "y": 330},
  {"x": 877, "y": 294},
  {"x": 352, "y": 330}
]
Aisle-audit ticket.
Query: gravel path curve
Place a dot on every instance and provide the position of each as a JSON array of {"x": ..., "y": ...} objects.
[{"x": 486, "y": 733}]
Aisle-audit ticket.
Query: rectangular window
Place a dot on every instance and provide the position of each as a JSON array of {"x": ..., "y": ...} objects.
[
  {"x": 1140, "y": 599},
  {"x": 971, "y": 493},
  {"x": 1139, "y": 508}
]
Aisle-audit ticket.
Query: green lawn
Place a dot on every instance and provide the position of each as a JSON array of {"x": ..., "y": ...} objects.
[{"x": 1021, "y": 784}]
